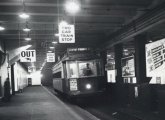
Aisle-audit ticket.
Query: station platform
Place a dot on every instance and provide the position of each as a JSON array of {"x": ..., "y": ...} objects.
[{"x": 37, "y": 103}]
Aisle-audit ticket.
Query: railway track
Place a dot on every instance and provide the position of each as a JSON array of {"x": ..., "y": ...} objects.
[{"x": 98, "y": 107}]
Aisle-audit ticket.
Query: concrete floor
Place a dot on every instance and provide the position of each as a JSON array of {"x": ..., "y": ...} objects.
[{"x": 37, "y": 103}]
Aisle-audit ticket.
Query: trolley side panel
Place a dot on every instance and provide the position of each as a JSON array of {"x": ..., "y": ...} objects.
[{"x": 58, "y": 84}]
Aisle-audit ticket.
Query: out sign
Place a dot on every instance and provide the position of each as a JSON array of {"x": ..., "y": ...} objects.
[{"x": 28, "y": 56}]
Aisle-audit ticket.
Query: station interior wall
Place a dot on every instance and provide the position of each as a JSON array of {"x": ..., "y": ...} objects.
[
  {"x": 20, "y": 73},
  {"x": 4, "y": 75},
  {"x": 35, "y": 77},
  {"x": 20, "y": 76},
  {"x": 148, "y": 97}
]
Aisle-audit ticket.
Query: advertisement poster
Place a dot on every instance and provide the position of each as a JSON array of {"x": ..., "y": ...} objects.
[
  {"x": 128, "y": 66},
  {"x": 155, "y": 61},
  {"x": 111, "y": 76}
]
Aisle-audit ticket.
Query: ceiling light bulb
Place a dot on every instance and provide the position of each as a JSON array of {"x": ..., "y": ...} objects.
[
  {"x": 51, "y": 47},
  {"x": 2, "y": 28},
  {"x": 72, "y": 6},
  {"x": 54, "y": 42},
  {"x": 26, "y": 29},
  {"x": 28, "y": 39},
  {"x": 29, "y": 46},
  {"x": 62, "y": 23},
  {"x": 125, "y": 50},
  {"x": 24, "y": 15}
]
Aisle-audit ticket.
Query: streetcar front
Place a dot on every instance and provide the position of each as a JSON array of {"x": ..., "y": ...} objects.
[{"x": 85, "y": 77}]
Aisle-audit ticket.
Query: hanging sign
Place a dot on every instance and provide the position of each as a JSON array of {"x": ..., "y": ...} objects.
[
  {"x": 28, "y": 56},
  {"x": 50, "y": 57},
  {"x": 66, "y": 34},
  {"x": 31, "y": 69}
]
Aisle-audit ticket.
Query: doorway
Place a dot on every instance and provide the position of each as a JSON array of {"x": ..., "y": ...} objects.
[
  {"x": 29, "y": 81},
  {"x": 12, "y": 80}
]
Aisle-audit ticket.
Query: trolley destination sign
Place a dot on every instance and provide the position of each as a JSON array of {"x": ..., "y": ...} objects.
[
  {"x": 66, "y": 34},
  {"x": 28, "y": 56}
]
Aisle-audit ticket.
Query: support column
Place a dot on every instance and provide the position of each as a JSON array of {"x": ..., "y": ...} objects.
[
  {"x": 143, "y": 101},
  {"x": 140, "y": 60},
  {"x": 118, "y": 67},
  {"x": 104, "y": 57}
]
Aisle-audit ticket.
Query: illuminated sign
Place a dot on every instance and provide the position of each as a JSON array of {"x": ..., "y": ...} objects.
[
  {"x": 28, "y": 56},
  {"x": 50, "y": 57},
  {"x": 66, "y": 34}
]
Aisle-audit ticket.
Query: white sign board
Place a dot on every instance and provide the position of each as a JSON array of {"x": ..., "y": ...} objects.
[
  {"x": 111, "y": 75},
  {"x": 155, "y": 58},
  {"x": 28, "y": 56},
  {"x": 31, "y": 69},
  {"x": 66, "y": 34},
  {"x": 155, "y": 61},
  {"x": 50, "y": 57}
]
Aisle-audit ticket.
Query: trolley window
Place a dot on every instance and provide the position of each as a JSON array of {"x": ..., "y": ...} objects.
[
  {"x": 72, "y": 69},
  {"x": 87, "y": 68}
]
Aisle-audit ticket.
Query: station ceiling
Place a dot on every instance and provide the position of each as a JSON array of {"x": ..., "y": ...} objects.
[{"x": 94, "y": 23}]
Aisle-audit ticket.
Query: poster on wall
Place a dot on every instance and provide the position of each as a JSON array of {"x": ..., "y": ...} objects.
[
  {"x": 128, "y": 66},
  {"x": 111, "y": 76},
  {"x": 155, "y": 61}
]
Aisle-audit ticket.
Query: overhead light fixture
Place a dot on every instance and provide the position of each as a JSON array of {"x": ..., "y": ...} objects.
[
  {"x": 28, "y": 39},
  {"x": 51, "y": 47},
  {"x": 54, "y": 42},
  {"x": 72, "y": 6},
  {"x": 26, "y": 29},
  {"x": 62, "y": 23},
  {"x": 29, "y": 46},
  {"x": 24, "y": 16},
  {"x": 49, "y": 51},
  {"x": 2, "y": 28},
  {"x": 125, "y": 50}
]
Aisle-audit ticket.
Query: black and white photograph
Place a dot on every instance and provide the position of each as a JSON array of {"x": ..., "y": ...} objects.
[{"x": 82, "y": 59}]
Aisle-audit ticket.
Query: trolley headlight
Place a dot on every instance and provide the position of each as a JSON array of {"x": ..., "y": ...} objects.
[{"x": 88, "y": 86}]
